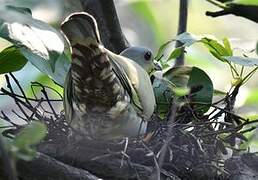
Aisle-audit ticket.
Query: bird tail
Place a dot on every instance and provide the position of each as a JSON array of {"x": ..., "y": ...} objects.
[{"x": 93, "y": 79}]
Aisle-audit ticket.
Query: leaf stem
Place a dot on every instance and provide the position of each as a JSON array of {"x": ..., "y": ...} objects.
[{"x": 249, "y": 75}]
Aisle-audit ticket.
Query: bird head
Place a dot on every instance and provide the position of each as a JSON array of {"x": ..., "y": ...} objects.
[{"x": 142, "y": 56}]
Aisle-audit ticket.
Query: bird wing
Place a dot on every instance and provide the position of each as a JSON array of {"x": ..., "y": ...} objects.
[
  {"x": 99, "y": 77},
  {"x": 95, "y": 86},
  {"x": 142, "y": 95}
]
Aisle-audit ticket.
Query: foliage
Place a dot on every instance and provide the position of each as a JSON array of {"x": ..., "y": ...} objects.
[
  {"x": 11, "y": 60},
  {"x": 184, "y": 85},
  {"x": 37, "y": 41},
  {"x": 246, "y": 2},
  {"x": 22, "y": 146}
]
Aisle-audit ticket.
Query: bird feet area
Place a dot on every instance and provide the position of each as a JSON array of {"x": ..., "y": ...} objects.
[{"x": 170, "y": 150}]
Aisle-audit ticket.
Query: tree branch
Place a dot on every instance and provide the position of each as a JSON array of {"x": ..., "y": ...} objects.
[
  {"x": 110, "y": 30},
  {"x": 182, "y": 26},
  {"x": 44, "y": 167},
  {"x": 246, "y": 11}
]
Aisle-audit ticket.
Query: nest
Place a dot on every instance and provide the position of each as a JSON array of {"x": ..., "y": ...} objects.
[{"x": 199, "y": 148}]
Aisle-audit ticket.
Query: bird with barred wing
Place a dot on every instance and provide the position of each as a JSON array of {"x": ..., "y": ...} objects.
[{"x": 106, "y": 96}]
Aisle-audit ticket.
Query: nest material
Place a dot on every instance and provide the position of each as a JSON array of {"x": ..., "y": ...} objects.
[{"x": 171, "y": 150}]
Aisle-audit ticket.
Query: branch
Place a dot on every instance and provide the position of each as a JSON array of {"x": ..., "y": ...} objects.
[
  {"x": 246, "y": 11},
  {"x": 182, "y": 26},
  {"x": 110, "y": 30},
  {"x": 45, "y": 167}
]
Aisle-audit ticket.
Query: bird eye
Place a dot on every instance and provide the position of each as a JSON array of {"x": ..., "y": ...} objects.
[{"x": 147, "y": 56}]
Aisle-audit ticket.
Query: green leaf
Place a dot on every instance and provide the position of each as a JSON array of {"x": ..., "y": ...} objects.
[
  {"x": 163, "y": 94},
  {"x": 178, "y": 76},
  {"x": 161, "y": 50},
  {"x": 246, "y": 2},
  {"x": 198, "y": 78},
  {"x": 179, "y": 81},
  {"x": 243, "y": 61},
  {"x": 216, "y": 55},
  {"x": 11, "y": 60},
  {"x": 228, "y": 46},
  {"x": 32, "y": 134},
  {"x": 176, "y": 53},
  {"x": 40, "y": 43},
  {"x": 215, "y": 47}
]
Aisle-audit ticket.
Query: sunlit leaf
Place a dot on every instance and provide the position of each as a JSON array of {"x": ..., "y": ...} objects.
[
  {"x": 188, "y": 39},
  {"x": 228, "y": 46},
  {"x": 41, "y": 44},
  {"x": 215, "y": 47},
  {"x": 11, "y": 60},
  {"x": 243, "y": 61}
]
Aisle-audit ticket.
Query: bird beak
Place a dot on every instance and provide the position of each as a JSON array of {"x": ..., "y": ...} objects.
[{"x": 157, "y": 67}]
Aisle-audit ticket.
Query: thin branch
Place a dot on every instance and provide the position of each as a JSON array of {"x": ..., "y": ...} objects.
[
  {"x": 33, "y": 99},
  {"x": 15, "y": 99},
  {"x": 20, "y": 102},
  {"x": 44, "y": 92},
  {"x": 20, "y": 88}
]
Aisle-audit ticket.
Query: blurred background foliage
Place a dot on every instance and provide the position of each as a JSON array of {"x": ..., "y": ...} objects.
[{"x": 151, "y": 23}]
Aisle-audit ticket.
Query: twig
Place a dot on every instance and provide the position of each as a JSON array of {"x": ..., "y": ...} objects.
[
  {"x": 124, "y": 151},
  {"x": 157, "y": 165},
  {"x": 15, "y": 99},
  {"x": 32, "y": 99},
  {"x": 20, "y": 102},
  {"x": 43, "y": 90},
  {"x": 35, "y": 109},
  {"x": 20, "y": 88},
  {"x": 37, "y": 84},
  {"x": 6, "y": 118}
]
